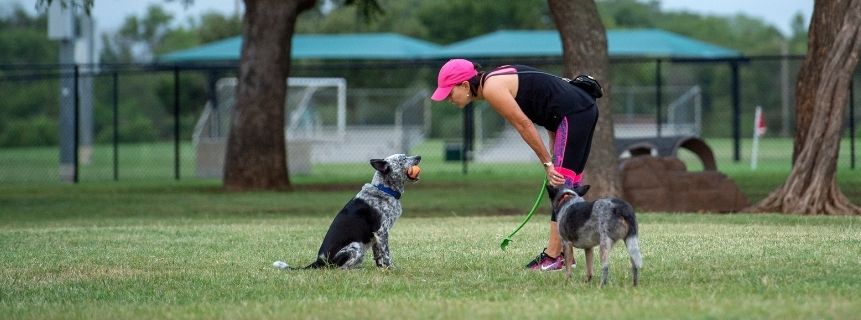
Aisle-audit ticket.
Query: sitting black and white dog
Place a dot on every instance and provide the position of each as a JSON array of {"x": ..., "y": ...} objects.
[
  {"x": 585, "y": 225},
  {"x": 366, "y": 219}
]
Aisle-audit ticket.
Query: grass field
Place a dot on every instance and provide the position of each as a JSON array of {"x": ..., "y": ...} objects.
[
  {"x": 152, "y": 247},
  {"x": 154, "y": 162},
  {"x": 188, "y": 250}
]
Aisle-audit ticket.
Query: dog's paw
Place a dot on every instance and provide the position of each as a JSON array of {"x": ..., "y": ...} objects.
[{"x": 280, "y": 265}]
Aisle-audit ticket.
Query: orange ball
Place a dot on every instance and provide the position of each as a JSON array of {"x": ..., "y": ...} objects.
[{"x": 413, "y": 172}]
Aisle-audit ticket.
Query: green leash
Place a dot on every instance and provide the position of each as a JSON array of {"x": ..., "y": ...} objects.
[{"x": 507, "y": 239}]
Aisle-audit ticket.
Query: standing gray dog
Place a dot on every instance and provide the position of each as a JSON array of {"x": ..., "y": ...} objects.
[
  {"x": 583, "y": 224},
  {"x": 366, "y": 219}
]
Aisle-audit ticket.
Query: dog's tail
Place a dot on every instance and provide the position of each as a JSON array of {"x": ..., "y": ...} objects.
[
  {"x": 626, "y": 211},
  {"x": 636, "y": 257},
  {"x": 281, "y": 265},
  {"x": 633, "y": 245}
]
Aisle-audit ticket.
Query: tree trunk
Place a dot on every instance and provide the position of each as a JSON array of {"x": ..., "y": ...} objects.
[
  {"x": 584, "y": 51},
  {"x": 822, "y": 93},
  {"x": 820, "y": 36},
  {"x": 256, "y": 146}
]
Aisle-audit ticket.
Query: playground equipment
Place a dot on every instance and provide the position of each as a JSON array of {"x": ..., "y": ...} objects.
[{"x": 654, "y": 179}]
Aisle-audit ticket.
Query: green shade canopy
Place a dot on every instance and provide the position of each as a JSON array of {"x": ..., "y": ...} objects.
[
  {"x": 358, "y": 46},
  {"x": 504, "y": 43},
  {"x": 620, "y": 43}
]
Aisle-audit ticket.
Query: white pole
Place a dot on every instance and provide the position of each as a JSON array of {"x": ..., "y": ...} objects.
[
  {"x": 61, "y": 27},
  {"x": 754, "y": 152}
]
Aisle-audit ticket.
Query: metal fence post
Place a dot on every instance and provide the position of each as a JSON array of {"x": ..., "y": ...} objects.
[
  {"x": 116, "y": 127},
  {"x": 468, "y": 134},
  {"x": 77, "y": 120},
  {"x": 176, "y": 121},
  {"x": 212, "y": 93},
  {"x": 658, "y": 98},
  {"x": 736, "y": 113}
]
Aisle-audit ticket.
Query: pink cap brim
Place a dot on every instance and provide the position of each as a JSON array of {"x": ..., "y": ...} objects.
[{"x": 441, "y": 93}]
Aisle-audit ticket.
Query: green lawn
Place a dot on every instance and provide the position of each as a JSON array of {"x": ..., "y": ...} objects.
[
  {"x": 154, "y": 163},
  {"x": 188, "y": 250}
]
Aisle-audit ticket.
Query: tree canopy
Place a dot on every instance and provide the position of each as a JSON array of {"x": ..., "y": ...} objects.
[
  {"x": 445, "y": 22},
  {"x": 141, "y": 37}
]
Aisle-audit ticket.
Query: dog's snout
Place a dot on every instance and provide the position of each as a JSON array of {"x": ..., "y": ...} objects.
[{"x": 418, "y": 158}]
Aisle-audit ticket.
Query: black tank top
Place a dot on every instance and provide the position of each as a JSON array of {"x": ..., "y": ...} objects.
[{"x": 545, "y": 98}]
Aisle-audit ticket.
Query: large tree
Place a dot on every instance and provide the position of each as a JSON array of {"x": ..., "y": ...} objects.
[
  {"x": 821, "y": 96},
  {"x": 584, "y": 51},
  {"x": 256, "y": 153}
]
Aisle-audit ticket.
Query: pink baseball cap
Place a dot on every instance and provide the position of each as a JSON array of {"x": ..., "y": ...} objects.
[{"x": 451, "y": 74}]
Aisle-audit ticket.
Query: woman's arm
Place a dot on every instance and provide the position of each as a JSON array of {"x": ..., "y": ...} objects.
[{"x": 505, "y": 105}]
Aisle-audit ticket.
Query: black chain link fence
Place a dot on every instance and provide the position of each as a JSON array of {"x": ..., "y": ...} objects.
[{"x": 166, "y": 122}]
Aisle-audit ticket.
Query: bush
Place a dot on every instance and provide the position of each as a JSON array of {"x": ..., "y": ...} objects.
[
  {"x": 36, "y": 131},
  {"x": 137, "y": 129}
]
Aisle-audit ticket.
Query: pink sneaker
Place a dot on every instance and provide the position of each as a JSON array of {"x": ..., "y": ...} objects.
[{"x": 544, "y": 262}]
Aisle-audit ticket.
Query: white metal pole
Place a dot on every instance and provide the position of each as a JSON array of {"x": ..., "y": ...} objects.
[{"x": 754, "y": 152}]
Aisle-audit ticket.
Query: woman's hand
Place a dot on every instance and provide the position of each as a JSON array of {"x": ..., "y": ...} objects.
[{"x": 554, "y": 178}]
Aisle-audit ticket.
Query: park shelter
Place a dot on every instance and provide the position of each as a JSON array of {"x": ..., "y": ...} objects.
[
  {"x": 652, "y": 43},
  {"x": 358, "y": 46},
  {"x": 514, "y": 45}
]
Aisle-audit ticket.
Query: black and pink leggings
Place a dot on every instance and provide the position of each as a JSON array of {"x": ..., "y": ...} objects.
[{"x": 572, "y": 145}]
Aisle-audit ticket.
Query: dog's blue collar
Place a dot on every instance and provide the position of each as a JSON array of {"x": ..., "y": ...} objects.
[{"x": 389, "y": 191}]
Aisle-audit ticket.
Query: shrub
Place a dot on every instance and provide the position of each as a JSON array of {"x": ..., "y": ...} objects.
[{"x": 35, "y": 131}]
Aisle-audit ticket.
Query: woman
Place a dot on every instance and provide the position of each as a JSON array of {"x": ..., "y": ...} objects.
[{"x": 524, "y": 95}]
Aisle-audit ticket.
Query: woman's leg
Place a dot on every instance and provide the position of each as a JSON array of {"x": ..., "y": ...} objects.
[
  {"x": 570, "y": 152},
  {"x": 554, "y": 243}
]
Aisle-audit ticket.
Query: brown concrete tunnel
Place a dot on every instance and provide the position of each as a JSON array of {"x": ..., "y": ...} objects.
[{"x": 668, "y": 147}]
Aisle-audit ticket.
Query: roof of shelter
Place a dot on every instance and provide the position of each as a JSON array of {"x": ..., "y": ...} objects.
[
  {"x": 504, "y": 43},
  {"x": 620, "y": 43},
  {"x": 354, "y": 46}
]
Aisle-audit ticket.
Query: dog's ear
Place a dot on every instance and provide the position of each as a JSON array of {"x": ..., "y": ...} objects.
[
  {"x": 557, "y": 193},
  {"x": 381, "y": 165},
  {"x": 582, "y": 189},
  {"x": 563, "y": 195}
]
